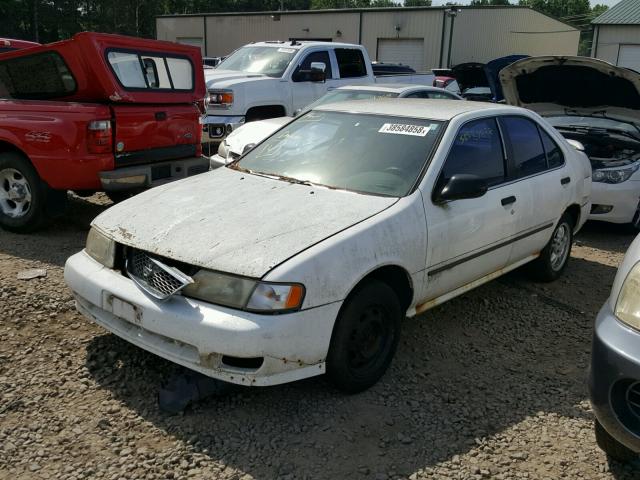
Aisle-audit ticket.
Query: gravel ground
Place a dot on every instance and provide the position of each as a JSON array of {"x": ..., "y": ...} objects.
[{"x": 489, "y": 385}]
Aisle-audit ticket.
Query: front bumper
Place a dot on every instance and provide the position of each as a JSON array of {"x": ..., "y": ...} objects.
[
  {"x": 615, "y": 363},
  {"x": 217, "y": 127},
  {"x": 197, "y": 334},
  {"x": 623, "y": 197},
  {"x": 151, "y": 175}
]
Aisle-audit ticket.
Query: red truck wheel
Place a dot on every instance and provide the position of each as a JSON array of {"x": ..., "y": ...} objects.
[{"x": 23, "y": 196}]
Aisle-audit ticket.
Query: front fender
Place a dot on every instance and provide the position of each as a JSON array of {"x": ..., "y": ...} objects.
[{"x": 332, "y": 268}]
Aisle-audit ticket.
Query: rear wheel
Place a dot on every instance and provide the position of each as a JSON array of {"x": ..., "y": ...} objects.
[
  {"x": 365, "y": 337},
  {"x": 612, "y": 447},
  {"x": 555, "y": 255},
  {"x": 25, "y": 201}
]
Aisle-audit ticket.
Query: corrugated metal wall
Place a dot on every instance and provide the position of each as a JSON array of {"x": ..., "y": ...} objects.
[
  {"x": 484, "y": 34},
  {"x": 479, "y": 34},
  {"x": 226, "y": 33},
  {"x": 609, "y": 38}
]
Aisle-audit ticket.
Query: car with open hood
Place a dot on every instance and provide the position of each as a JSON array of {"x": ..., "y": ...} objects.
[
  {"x": 250, "y": 134},
  {"x": 598, "y": 105},
  {"x": 303, "y": 256}
]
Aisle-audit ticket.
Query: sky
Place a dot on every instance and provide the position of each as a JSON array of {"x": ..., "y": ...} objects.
[{"x": 593, "y": 2}]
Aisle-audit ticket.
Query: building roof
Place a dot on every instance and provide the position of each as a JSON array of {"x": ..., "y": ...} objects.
[
  {"x": 626, "y": 12},
  {"x": 416, "y": 108}
]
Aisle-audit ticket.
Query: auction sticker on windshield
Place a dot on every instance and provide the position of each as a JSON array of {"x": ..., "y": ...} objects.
[{"x": 404, "y": 129}]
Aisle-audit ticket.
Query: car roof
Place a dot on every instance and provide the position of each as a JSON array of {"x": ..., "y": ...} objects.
[
  {"x": 429, "y": 109},
  {"x": 298, "y": 44},
  {"x": 389, "y": 87}
]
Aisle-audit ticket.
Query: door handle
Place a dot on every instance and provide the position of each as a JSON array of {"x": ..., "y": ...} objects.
[
  {"x": 565, "y": 180},
  {"x": 508, "y": 200}
]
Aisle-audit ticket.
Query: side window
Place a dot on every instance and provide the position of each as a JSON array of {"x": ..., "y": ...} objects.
[
  {"x": 551, "y": 148},
  {"x": 299, "y": 76},
  {"x": 524, "y": 146},
  {"x": 350, "y": 63},
  {"x": 477, "y": 150},
  {"x": 40, "y": 76}
]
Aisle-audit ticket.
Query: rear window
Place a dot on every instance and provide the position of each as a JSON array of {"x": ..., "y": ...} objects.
[
  {"x": 40, "y": 76},
  {"x": 154, "y": 71}
]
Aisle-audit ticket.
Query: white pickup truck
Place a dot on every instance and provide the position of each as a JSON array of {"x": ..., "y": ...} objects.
[{"x": 276, "y": 78}]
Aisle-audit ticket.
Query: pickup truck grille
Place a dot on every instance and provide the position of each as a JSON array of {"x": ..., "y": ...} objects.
[
  {"x": 144, "y": 157},
  {"x": 154, "y": 276}
]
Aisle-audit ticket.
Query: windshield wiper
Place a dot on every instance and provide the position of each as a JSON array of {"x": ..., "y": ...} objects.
[{"x": 274, "y": 176}]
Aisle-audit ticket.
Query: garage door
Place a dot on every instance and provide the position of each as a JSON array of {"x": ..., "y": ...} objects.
[
  {"x": 629, "y": 57},
  {"x": 408, "y": 51}
]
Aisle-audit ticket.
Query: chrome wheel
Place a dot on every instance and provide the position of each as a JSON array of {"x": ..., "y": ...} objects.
[
  {"x": 15, "y": 193},
  {"x": 560, "y": 245}
]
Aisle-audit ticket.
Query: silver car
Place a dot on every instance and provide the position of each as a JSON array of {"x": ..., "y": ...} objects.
[{"x": 614, "y": 380}]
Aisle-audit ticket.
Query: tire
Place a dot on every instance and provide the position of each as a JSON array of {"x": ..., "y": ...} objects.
[
  {"x": 612, "y": 447},
  {"x": 117, "y": 197},
  {"x": 555, "y": 255},
  {"x": 26, "y": 202},
  {"x": 365, "y": 337}
]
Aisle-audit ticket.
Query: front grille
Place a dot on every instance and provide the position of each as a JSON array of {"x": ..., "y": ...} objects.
[
  {"x": 154, "y": 276},
  {"x": 633, "y": 398}
]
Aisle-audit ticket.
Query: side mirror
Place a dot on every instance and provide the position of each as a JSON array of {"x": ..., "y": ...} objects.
[
  {"x": 248, "y": 147},
  {"x": 576, "y": 144},
  {"x": 461, "y": 186},
  {"x": 316, "y": 73}
]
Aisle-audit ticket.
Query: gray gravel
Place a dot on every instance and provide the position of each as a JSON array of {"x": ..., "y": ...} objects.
[{"x": 490, "y": 385}]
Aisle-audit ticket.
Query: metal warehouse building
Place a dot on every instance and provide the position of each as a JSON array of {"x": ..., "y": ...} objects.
[
  {"x": 422, "y": 37},
  {"x": 616, "y": 36}
]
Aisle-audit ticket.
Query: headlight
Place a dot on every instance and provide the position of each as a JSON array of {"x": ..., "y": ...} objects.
[
  {"x": 628, "y": 303},
  {"x": 244, "y": 293},
  {"x": 221, "y": 98},
  {"x": 101, "y": 248},
  {"x": 223, "y": 149},
  {"x": 615, "y": 175}
]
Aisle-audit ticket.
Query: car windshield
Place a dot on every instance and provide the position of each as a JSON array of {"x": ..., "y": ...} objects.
[
  {"x": 375, "y": 154},
  {"x": 270, "y": 61},
  {"x": 592, "y": 122},
  {"x": 345, "y": 95}
]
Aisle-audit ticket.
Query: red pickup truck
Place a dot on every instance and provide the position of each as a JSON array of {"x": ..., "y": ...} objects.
[{"x": 97, "y": 112}]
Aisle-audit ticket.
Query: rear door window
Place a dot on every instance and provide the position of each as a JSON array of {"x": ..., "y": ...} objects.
[
  {"x": 40, "y": 76},
  {"x": 554, "y": 154},
  {"x": 477, "y": 150},
  {"x": 136, "y": 70},
  {"x": 524, "y": 146},
  {"x": 350, "y": 63}
]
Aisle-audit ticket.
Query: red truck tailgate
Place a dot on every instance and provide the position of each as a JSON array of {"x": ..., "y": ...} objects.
[{"x": 153, "y": 133}]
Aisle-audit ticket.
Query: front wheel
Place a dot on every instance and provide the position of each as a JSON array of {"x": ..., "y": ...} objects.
[
  {"x": 612, "y": 447},
  {"x": 555, "y": 255},
  {"x": 23, "y": 196},
  {"x": 365, "y": 337}
]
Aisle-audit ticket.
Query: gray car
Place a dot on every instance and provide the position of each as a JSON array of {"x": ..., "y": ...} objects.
[{"x": 615, "y": 363}]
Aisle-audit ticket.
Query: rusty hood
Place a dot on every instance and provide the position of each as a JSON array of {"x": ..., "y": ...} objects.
[{"x": 235, "y": 222}]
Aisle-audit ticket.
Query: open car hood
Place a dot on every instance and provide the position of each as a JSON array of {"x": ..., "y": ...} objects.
[
  {"x": 470, "y": 75},
  {"x": 579, "y": 86}
]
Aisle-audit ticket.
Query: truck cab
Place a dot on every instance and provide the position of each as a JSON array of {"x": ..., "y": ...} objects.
[{"x": 275, "y": 78}]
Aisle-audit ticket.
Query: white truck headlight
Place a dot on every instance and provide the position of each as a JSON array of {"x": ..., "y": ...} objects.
[
  {"x": 220, "y": 98},
  {"x": 101, "y": 248},
  {"x": 244, "y": 293},
  {"x": 615, "y": 175},
  {"x": 628, "y": 303}
]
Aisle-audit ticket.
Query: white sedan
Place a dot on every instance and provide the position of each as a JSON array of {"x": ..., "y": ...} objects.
[
  {"x": 305, "y": 255},
  {"x": 250, "y": 134}
]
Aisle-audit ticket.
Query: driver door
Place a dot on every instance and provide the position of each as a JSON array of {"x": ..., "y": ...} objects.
[
  {"x": 470, "y": 238},
  {"x": 304, "y": 90}
]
